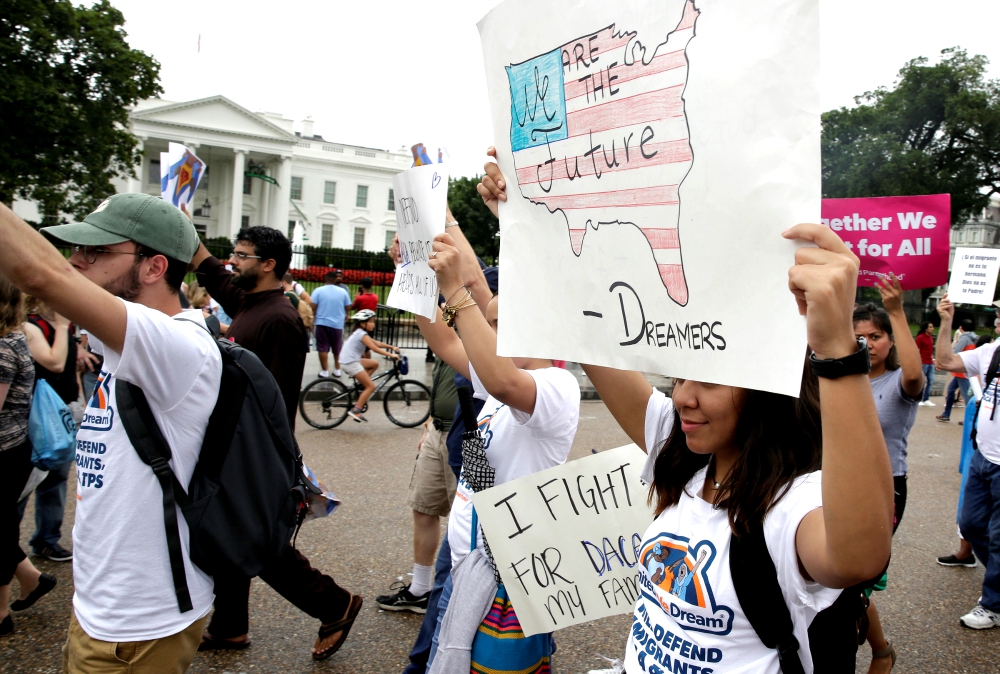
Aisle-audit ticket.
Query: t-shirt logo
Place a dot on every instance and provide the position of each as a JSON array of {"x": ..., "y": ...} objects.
[
  {"x": 675, "y": 578},
  {"x": 99, "y": 415}
]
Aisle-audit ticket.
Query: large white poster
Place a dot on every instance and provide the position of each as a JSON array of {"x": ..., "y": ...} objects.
[
  {"x": 655, "y": 150},
  {"x": 421, "y": 196},
  {"x": 566, "y": 540}
]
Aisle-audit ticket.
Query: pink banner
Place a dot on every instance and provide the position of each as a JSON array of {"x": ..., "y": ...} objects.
[{"x": 908, "y": 236}]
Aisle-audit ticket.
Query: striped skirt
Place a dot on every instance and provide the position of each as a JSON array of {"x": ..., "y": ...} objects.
[{"x": 500, "y": 646}]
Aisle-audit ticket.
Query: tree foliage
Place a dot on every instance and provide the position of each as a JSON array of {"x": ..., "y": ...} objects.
[
  {"x": 478, "y": 224},
  {"x": 67, "y": 80},
  {"x": 937, "y": 130}
]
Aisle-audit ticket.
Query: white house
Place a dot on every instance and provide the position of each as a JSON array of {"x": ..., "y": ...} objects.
[{"x": 341, "y": 193}]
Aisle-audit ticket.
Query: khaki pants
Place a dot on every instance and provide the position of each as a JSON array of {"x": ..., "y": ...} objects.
[{"x": 83, "y": 654}]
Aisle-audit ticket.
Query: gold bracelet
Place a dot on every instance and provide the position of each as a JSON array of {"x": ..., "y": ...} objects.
[
  {"x": 450, "y": 311},
  {"x": 448, "y": 301}
]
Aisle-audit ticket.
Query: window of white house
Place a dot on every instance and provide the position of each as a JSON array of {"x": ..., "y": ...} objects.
[
  {"x": 245, "y": 221},
  {"x": 247, "y": 185},
  {"x": 974, "y": 236},
  {"x": 362, "y": 199},
  {"x": 389, "y": 233},
  {"x": 291, "y": 229},
  {"x": 297, "y": 189},
  {"x": 203, "y": 183},
  {"x": 154, "y": 171},
  {"x": 392, "y": 201},
  {"x": 359, "y": 238},
  {"x": 960, "y": 237},
  {"x": 329, "y": 192},
  {"x": 326, "y": 237}
]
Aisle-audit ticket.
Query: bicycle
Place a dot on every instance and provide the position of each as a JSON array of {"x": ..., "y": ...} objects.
[{"x": 324, "y": 403}]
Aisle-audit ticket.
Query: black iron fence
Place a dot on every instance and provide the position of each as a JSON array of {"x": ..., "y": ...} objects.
[{"x": 398, "y": 328}]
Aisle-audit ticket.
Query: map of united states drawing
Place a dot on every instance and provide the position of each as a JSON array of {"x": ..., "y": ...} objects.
[{"x": 599, "y": 134}]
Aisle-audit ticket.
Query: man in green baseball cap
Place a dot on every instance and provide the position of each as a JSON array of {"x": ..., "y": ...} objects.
[{"x": 121, "y": 284}]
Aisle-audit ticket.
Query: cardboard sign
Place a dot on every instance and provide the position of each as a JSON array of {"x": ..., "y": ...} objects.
[
  {"x": 180, "y": 172},
  {"x": 908, "y": 236},
  {"x": 654, "y": 151},
  {"x": 974, "y": 276},
  {"x": 421, "y": 195},
  {"x": 566, "y": 540}
]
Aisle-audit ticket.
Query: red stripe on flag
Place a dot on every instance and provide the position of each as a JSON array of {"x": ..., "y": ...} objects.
[
  {"x": 673, "y": 278},
  {"x": 605, "y": 42},
  {"x": 660, "y": 195},
  {"x": 647, "y": 107},
  {"x": 623, "y": 73},
  {"x": 660, "y": 238}
]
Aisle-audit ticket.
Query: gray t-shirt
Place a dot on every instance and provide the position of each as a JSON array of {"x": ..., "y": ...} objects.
[
  {"x": 965, "y": 340},
  {"x": 896, "y": 413}
]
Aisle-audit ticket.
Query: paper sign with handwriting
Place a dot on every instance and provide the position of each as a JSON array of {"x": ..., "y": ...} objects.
[
  {"x": 566, "y": 540},
  {"x": 974, "y": 276},
  {"x": 654, "y": 152},
  {"x": 421, "y": 196}
]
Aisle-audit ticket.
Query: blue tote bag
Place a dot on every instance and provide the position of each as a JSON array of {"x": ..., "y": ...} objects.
[{"x": 51, "y": 428}]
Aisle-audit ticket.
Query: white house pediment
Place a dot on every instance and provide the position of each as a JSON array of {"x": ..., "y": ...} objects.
[
  {"x": 361, "y": 221},
  {"x": 389, "y": 222},
  {"x": 216, "y": 113}
]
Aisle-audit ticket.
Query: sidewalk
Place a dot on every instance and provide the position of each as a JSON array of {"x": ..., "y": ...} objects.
[{"x": 422, "y": 372}]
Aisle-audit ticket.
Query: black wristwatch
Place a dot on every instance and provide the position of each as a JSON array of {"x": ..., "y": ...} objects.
[{"x": 834, "y": 368}]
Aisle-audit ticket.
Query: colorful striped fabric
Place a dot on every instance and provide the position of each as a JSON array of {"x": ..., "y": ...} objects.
[{"x": 500, "y": 646}]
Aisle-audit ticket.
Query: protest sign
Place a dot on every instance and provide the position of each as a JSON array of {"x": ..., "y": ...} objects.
[
  {"x": 908, "y": 236},
  {"x": 421, "y": 195},
  {"x": 566, "y": 540},
  {"x": 974, "y": 276},
  {"x": 180, "y": 172},
  {"x": 654, "y": 151}
]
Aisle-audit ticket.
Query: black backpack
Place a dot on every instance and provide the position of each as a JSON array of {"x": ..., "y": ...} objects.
[
  {"x": 834, "y": 634},
  {"x": 247, "y": 493},
  {"x": 991, "y": 374}
]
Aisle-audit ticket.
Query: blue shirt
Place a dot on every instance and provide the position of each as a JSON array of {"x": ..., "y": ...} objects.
[{"x": 331, "y": 306}]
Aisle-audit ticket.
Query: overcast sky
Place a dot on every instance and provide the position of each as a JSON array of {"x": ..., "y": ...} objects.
[{"x": 389, "y": 73}]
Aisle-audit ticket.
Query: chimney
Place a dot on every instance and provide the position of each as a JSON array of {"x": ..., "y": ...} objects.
[{"x": 307, "y": 127}]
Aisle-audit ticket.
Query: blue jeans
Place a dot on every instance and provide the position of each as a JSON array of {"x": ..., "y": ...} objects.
[
  {"x": 50, "y": 502},
  {"x": 956, "y": 383},
  {"x": 929, "y": 378},
  {"x": 442, "y": 609},
  {"x": 420, "y": 655},
  {"x": 980, "y": 524}
]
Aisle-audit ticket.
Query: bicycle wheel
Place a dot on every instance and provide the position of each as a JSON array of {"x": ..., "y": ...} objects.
[
  {"x": 407, "y": 403},
  {"x": 324, "y": 403}
]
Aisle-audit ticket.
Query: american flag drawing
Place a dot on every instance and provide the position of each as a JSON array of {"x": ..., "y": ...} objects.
[{"x": 599, "y": 134}]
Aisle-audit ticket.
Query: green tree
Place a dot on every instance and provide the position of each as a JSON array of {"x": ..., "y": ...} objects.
[
  {"x": 937, "y": 130},
  {"x": 67, "y": 80},
  {"x": 478, "y": 224}
]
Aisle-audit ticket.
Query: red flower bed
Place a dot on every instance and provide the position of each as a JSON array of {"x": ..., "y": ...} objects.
[{"x": 352, "y": 276}]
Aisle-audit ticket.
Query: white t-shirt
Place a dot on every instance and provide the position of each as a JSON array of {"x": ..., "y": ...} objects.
[
  {"x": 977, "y": 362},
  {"x": 691, "y": 614},
  {"x": 121, "y": 567},
  {"x": 353, "y": 347},
  {"x": 518, "y": 444}
]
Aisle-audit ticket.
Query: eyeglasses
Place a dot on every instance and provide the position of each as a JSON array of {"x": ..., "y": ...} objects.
[
  {"x": 91, "y": 253},
  {"x": 243, "y": 256}
]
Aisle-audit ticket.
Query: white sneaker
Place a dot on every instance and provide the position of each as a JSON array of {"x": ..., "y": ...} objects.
[
  {"x": 929, "y": 403},
  {"x": 980, "y": 619},
  {"x": 922, "y": 404},
  {"x": 324, "y": 373},
  {"x": 336, "y": 373}
]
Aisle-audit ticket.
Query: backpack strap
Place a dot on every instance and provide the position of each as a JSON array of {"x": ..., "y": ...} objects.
[
  {"x": 991, "y": 374},
  {"x": 144, "y": 433},
  {"x": 757, "y": 588}
]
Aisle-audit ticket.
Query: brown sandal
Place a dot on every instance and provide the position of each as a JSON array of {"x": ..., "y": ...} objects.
[
  {"x": 886, "y": 652},
  {"x": 343, "y": 626}
]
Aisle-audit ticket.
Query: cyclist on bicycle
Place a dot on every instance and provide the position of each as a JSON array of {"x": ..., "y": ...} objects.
[{"x": 353, "y": 362}]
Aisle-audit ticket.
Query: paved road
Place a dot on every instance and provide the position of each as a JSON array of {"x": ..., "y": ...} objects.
[{"x": 367, "y": 545}]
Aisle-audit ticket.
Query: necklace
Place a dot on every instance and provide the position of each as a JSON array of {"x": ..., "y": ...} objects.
[{"x": 714, "y": 481}]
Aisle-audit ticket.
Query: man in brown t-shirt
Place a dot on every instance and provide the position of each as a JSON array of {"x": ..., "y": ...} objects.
[{"x": 266, "y": 323}]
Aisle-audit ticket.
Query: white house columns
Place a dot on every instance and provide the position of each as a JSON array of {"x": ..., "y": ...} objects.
[
  {"x": 280, "y": 204},
  {"x": 236, "y": 204}
]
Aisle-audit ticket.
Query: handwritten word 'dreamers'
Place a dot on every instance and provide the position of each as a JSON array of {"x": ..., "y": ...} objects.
[{"x": 599, "y": 134}]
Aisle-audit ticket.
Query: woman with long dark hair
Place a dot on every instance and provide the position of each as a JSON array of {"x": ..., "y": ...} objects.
[
  {"x": 897, "y": 383},
  {"x": 811, "y": 472}
]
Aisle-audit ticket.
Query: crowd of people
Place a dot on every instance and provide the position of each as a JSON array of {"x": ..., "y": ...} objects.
[{"x": 815, "y": 485}]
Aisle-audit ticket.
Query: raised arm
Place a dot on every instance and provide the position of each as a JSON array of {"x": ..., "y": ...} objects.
[
  {"x": 847, "y": 540},
  {"x": 472, "y": 275},
  {"x": 906, "y": 348},
  {"x": 946, "y": 360},
  {"x": 37, "y": 268},
  {"x": 52, "y": 358},
  {"x": 502, "y": 379},
  {"x": 626, "y": 394}
]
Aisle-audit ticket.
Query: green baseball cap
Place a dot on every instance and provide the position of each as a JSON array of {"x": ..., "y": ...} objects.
[{"x": 142, "y": 218}]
